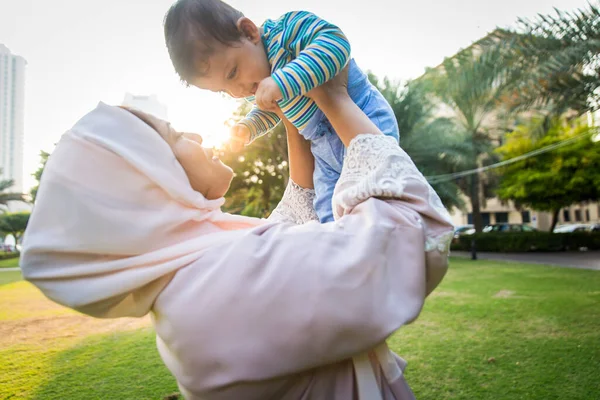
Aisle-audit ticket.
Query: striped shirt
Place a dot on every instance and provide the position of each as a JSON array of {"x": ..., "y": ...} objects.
[{"x": 304, "y": 52}]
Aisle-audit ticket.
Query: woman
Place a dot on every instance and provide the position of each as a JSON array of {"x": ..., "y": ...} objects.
[{"x": 243, "y": 308}]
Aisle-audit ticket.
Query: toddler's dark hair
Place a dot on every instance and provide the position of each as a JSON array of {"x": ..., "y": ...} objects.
[{"x": 193, "y": 28}]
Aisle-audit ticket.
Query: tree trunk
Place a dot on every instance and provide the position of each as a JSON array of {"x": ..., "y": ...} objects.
[
  {"x": 475, "y": 203},
  {"x": 554, "y": 219}
]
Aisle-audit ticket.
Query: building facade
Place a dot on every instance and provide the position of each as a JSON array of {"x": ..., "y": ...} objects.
[{"x": 12, "y": 117}]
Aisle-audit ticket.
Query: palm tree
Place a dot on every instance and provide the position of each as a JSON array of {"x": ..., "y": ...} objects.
[
  {"x": 468, "y": 88},
  {"x": 6, "y": 197},
  {"x": 431, "y": 142},
  {"x": 553, "y": 60}
]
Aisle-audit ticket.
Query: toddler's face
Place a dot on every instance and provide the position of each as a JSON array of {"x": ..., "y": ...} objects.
[{"x": 236, "y": 70}]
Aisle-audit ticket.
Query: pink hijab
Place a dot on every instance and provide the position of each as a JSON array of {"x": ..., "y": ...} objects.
[{"x": 143, "y": 220}]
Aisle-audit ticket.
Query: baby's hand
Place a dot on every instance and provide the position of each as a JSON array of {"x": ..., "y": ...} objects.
[
  {"x": 267, "y": 94},
  {"x": 240, "y": 136}
]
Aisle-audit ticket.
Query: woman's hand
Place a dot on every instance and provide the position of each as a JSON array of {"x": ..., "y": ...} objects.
[
  {"x": 345, "y": 116},
  {"x": 335, "y": 88}
]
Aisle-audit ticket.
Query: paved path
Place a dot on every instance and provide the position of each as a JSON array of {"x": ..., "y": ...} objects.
[
  {"x": 582, "y": 259},
  {"x": 9, "y": 269}
]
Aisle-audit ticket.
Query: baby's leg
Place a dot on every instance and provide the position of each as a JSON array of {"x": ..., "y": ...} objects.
[
  {"x": 376, "y": 107},
  {"x": 325, "y": 178},
  {"x": 326, "y": 145},
  {"x": 379, "y": 111}
]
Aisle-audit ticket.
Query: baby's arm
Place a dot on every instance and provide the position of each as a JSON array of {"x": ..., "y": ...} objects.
[
  {"x": 322, "y": 51},
  {"x": 257, "y": 123}
]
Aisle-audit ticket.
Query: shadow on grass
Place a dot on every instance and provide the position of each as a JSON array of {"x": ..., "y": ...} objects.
[{"x": 117, "y": 366}]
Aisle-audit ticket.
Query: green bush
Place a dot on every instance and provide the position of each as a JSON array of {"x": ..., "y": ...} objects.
[
  {"x": 8, "y": 256},
  {"x": 517, "y": 242}
]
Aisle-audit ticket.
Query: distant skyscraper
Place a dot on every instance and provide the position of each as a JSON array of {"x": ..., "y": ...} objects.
[
  {"x": 147, "y": 104},
  {"x": 12, "y": 110}
]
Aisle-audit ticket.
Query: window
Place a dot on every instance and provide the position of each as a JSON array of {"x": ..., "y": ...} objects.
[
  {"x": 566, "y": 216},
  {"x": 577, "y": 215},
  {"x": 587, "y": 215},
  {"x": 486, "y": 218},
  {"x": 525, "y": 217},
  {"x": 501, "y": 217}
]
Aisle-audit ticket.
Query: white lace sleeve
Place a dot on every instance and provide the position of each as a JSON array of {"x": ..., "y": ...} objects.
[
  {"x": 375, "y": 166},
  {"x": 295, "y": 206}
]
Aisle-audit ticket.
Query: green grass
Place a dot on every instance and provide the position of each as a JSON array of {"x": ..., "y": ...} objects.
[
  {"x": 9, "y": 263},
  {"x": 50, "y": 352},
  {"x": 7, "y": 277},
  {"x": 491, "y": 331},
  {"x": 507, "y": 331},
  {"x": 116, "y": 366}
]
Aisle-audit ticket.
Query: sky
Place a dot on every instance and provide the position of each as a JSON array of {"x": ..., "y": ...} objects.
[{"x": 80, "y": 52}]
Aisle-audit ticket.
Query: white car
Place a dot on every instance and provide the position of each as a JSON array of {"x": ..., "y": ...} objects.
[{"x": 572, "y": 228}]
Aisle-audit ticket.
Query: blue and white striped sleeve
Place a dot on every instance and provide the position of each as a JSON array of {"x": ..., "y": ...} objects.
[{"x": 322, "y": 51}]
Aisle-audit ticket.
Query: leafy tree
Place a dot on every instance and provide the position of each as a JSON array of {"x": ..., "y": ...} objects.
[
  {"x": 261, "y": 172},
  {"x": 14, "y": 224},
  {"x": 6, "y": 196},
  {"x": 555, "y": 179},
  {"x": 38, "y": 174}
]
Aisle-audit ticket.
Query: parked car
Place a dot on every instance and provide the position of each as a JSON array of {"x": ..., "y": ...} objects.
[
  {"x": 463, "y": 230},
  {"x": 569, "y": 228},
  {"x": 506, "y": 227}
]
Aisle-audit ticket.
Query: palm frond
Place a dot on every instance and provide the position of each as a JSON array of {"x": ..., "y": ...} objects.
[
  {"x": 6, "y": 197},
  {"x": 553, "y": 60},
  {"x": 7, "y": 184}
]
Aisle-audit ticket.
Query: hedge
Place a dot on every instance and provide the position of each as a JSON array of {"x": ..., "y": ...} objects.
[
  {"x": 517, "y": 242},
  {"x": 8, "y": 256}
]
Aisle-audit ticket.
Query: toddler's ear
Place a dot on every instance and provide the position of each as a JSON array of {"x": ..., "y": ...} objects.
[{"x": 249, "y": 30}]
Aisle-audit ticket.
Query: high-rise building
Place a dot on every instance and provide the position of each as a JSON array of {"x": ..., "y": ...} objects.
[
  {"x": 12, "y": 110},
  {"x": 147, "y": 104}
]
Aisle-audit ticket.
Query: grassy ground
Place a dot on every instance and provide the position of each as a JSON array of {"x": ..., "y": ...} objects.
[
  {"x": 7, "y": 277},
  {"x": 507, "y": 331},
  {"x": 491, "y": 331},
  {"x": 10, "y": 263}
]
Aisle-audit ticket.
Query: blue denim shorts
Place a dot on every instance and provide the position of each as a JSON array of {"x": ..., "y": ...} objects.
[{"x": 328, "y": 149}]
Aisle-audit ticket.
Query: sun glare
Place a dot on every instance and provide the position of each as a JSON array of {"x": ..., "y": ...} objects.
[
  {"x": 216, "y": 139},
  {"x": 206, "y": 116}
]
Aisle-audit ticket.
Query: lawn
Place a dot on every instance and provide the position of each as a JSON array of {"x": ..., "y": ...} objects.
[
  {"x": 9, "y": 263},
  {"x": 491, "y": 331}
]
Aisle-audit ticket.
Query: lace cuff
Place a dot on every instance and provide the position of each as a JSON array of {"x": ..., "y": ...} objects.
[
  {"x": 375, "y": 166},
  {"x": 296, "y": 205}
]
